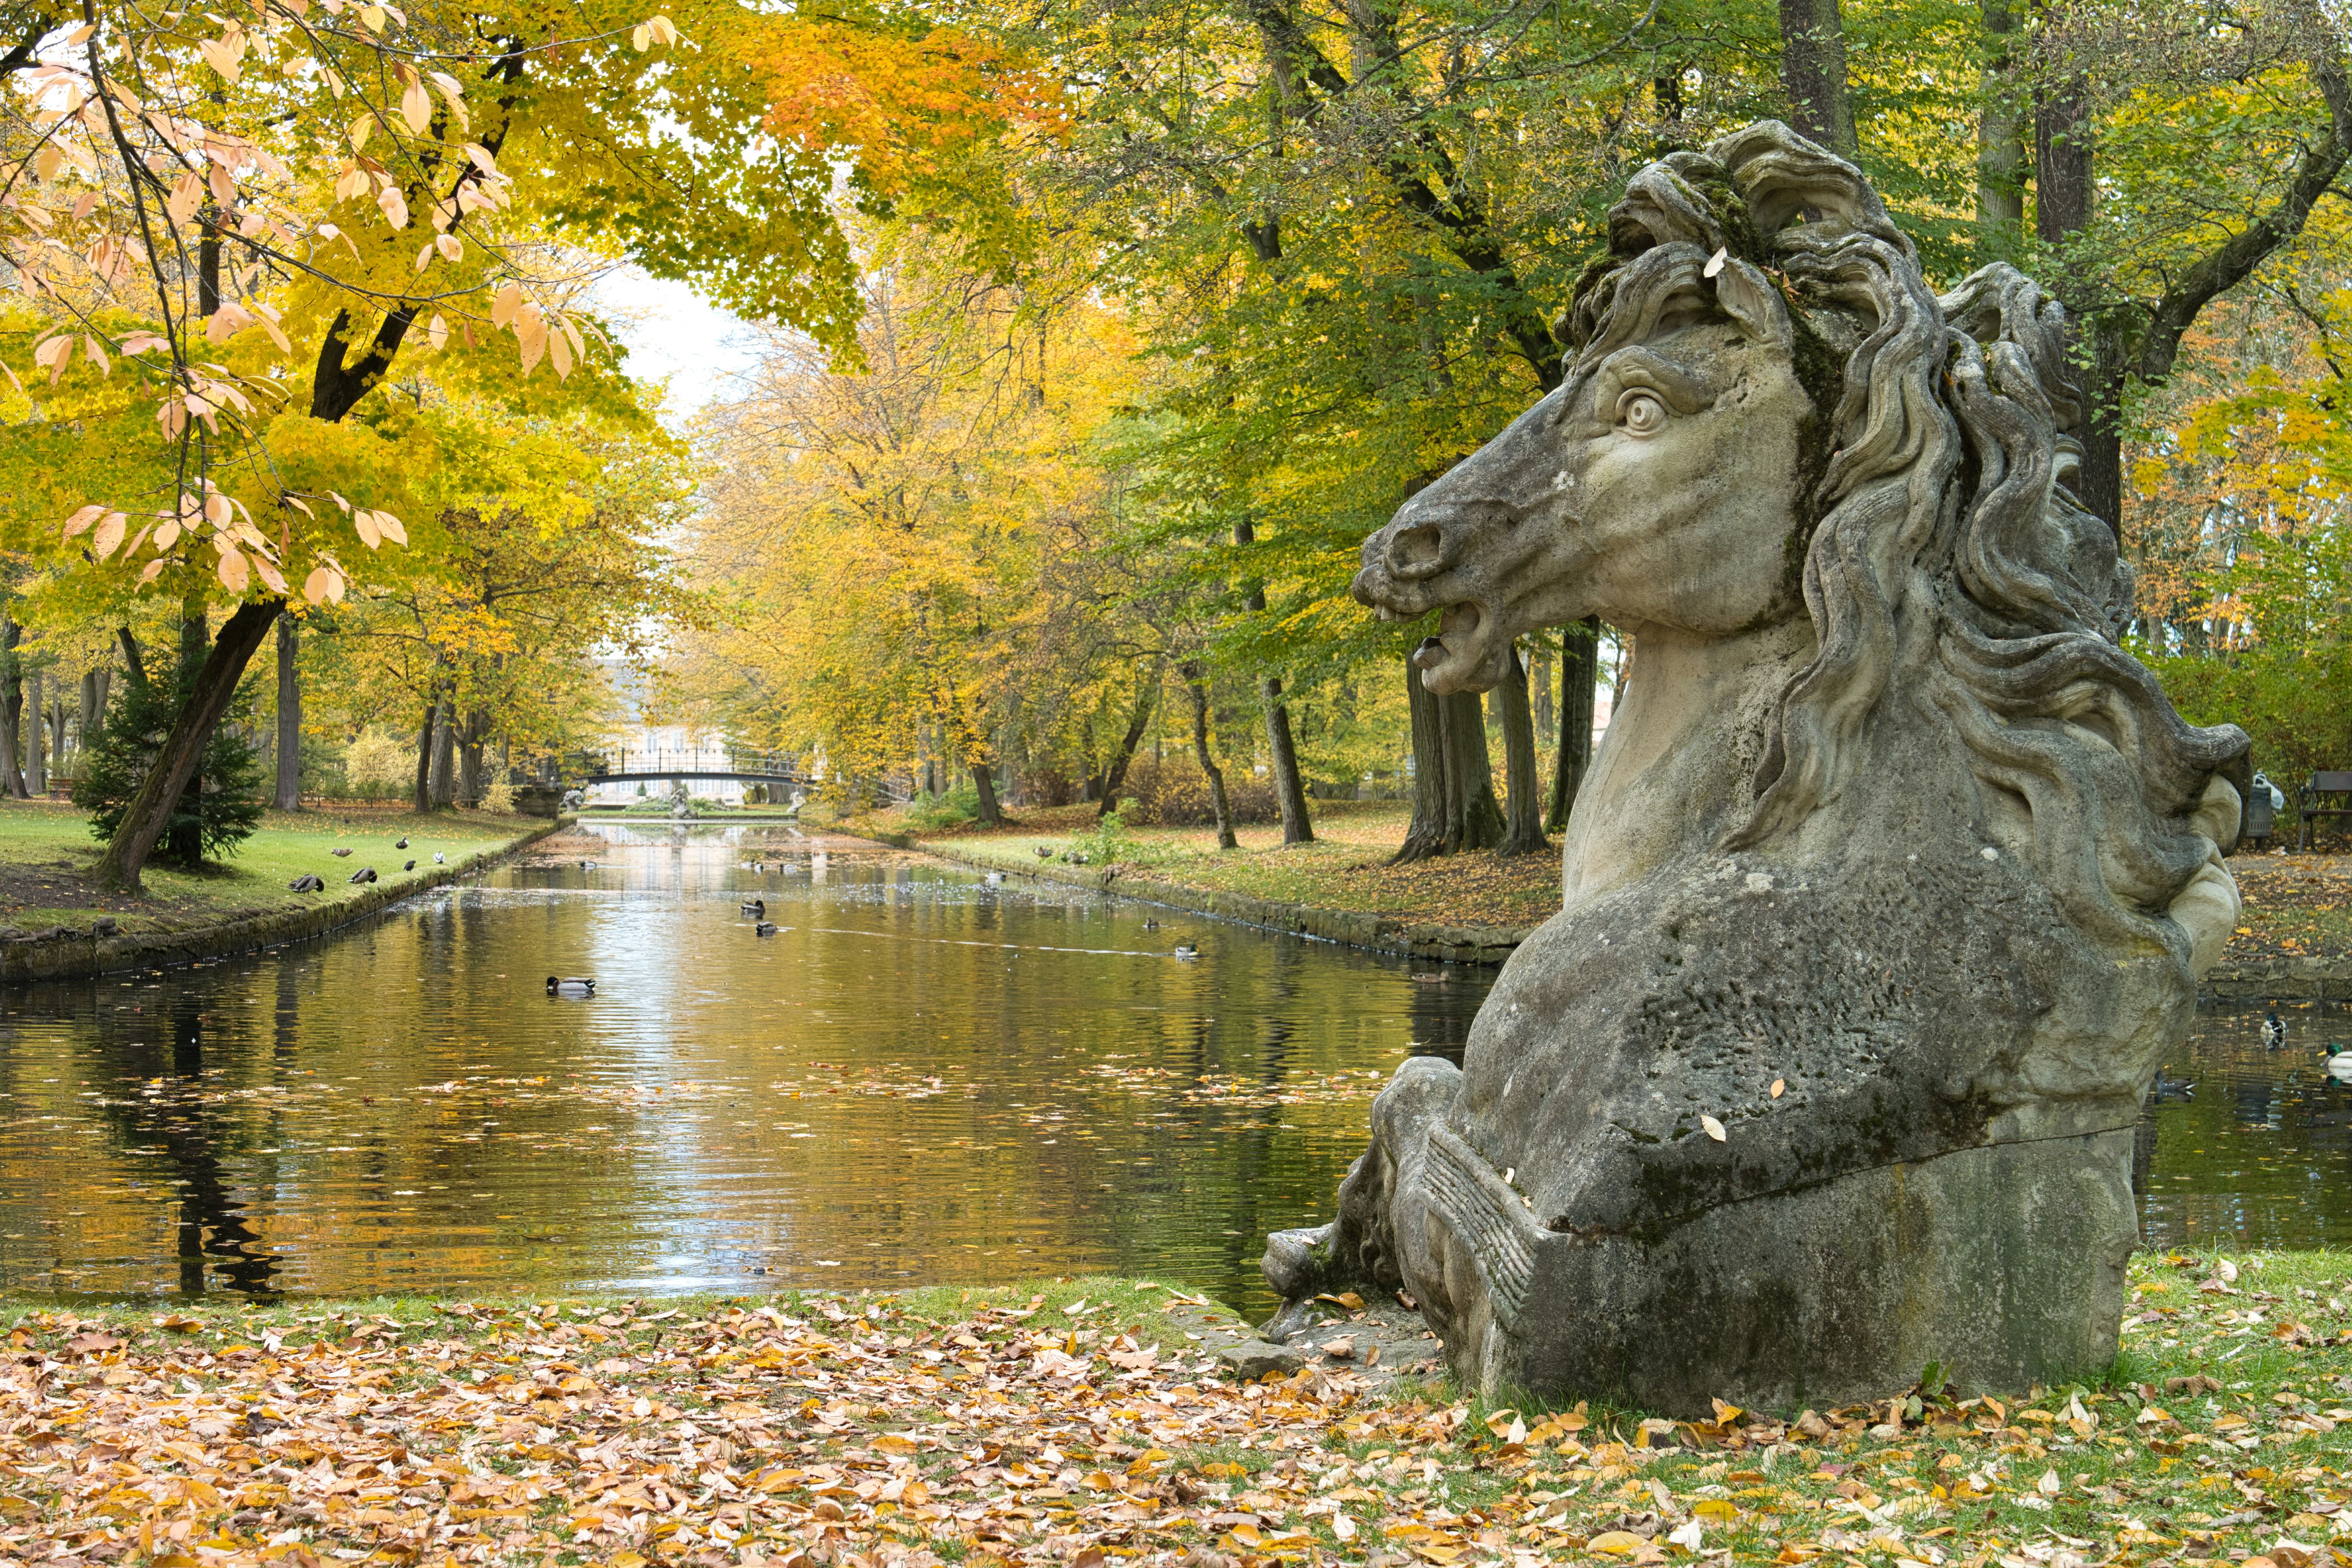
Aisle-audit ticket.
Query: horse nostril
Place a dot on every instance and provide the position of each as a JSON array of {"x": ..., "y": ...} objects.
[{"x": 1417, "y": 552}]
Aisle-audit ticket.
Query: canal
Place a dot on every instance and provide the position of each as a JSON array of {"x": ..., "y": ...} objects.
[{"x": 918, "y": 1078}]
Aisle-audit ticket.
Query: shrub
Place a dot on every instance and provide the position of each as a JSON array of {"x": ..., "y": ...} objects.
[
  {"x": 498, "y": 796},
  {"x": 222, "y": 806},
  {"x": 927, "y": 813},
  {"x": 1174, "y": 793},
  {"x": 381, "y": 763}
]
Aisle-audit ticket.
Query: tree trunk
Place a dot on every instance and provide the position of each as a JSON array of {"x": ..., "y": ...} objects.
[
  {"x": 469, "y": 758},
  {"x": 1539, "y": 692},
  {"x": 1473, "y": 819},
  {"x": 1138, "y": 722},
  {"x": 1289, "y": 788},
  {"x": 1424, "y": 836},
  {"x": 12, "y": 709},
  {"x": 423, "y": 801},
  {"x": 2064, "y": 193},
  {"x": 92, "y": 711},
  {"x": 37, "y": 760},
  {"x": 1523, "y": 822},
  {"x": 2001, "y": 143},
  {"x": 984, "y": 784},
  {"x": 183, "y": 749},
  {"x": 289, "y": 714},
  {"x": 1812, "y": 68},
  {"x": 1580, "y": 673},
  {"x": 1197, "y": 688},
  {"x": 444, "y": 756},
  {"x": 185, "y": 834}
]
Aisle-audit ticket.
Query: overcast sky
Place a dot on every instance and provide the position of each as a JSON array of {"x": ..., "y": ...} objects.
[{"x": 674, "y": 334}]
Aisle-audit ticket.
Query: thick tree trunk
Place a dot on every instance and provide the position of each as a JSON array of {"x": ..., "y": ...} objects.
[
  {"x": 1523, "y": 821},
  {"x": 37, "y": 760},
  {"x": 423, "y": 801},
  {"x": 2064, "y": 193},
  {"x": 1196, "y": 686},
  {"x": 1424, "y": 836},
  {"x": 289, "y": 714},
  {"x": 2001, "y": 142},
  {"x": 469, "y": 757},
  {"x": 984, "y": 784},
  {"x": 176, "y": 764},
  {"x": 185, "y": 834},
  {"x": 1580, "y": 673},
  {"x": 444, "y": 756},
  {"x": 1139, "y": 720},
  {"x": 1812, "y": 68},
  {"x": 1289, "y": 788},
  {"x": 1539, "y": 692},
  {"x": 93, "y": 710},
  {"x": 12, "y": 710},
  {"x": 1473, "y": 820}
]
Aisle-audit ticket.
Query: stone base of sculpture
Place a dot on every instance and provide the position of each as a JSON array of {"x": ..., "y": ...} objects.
[{"x": 1995, "y": 1267}]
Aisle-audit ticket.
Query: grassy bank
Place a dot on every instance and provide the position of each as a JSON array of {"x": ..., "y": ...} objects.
[
  {"x": 2297, "y": 906},
  {"x": 47, "y": 856},
  {"x": 1080, "y": 1422}
]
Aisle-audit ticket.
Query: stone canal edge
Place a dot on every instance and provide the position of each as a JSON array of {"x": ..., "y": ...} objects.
[
  {"x": 75, "y": 957},
  {"x": 2277, "y": 979}
]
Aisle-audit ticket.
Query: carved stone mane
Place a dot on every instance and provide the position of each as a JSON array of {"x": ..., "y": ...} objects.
[{"x": 1895, "y": 871}]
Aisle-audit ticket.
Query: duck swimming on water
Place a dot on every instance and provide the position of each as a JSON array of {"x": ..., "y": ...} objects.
[
  {"x": 2335, "y": 1060},
  {"x": 558, "y": 986},
  {"x": 764, "y": 928},
  {"x": 757, "y": 907},
  {"x": 1186, "y": 949},
  {"x": 2273, "y": 1030}
]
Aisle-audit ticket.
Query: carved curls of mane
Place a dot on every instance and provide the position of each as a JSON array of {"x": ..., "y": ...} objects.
[{"x": 1950, "y": 567}]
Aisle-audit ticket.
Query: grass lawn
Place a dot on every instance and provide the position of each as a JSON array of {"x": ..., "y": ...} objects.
[
  {"x": 2296, "y": 905},
  {"x": 47, "y": 855},
  {"x": 1345, "y": 869},
  {"x": 1073, "y": 1423}
]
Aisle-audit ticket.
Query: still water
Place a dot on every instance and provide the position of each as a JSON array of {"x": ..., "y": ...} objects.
[{"x": 919, "y": 1079}]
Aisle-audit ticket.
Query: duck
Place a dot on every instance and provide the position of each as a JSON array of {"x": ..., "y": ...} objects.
[
  {"x": 2273, "y": 1030},
  {"x": 307, "y": 883},
  {"x": 365, "y": 873},
  {"x": 587, "y": 865},
  {"x": 1150, "y": 925},
  {"x": 2171, "y": 1088},
  {"x": 763, "y": 928},
  {"x": 1186, "y": 949},
  {"x": 409, "y": 866},
  {"x": 558, "y": 986},
  {"x": 994, "y": 880},
  {"x": 2335, "y": 1059},
  {"x": 439, "y": 858},
  {"x": 339, "y": 853},
  {"x": 401, "y": 842},
  {"x": 1044, "y": 852},
  {"x": 757, "y": 907}
]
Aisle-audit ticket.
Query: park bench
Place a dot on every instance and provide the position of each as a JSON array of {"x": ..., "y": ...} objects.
[{"x": 2329, "y": 796}]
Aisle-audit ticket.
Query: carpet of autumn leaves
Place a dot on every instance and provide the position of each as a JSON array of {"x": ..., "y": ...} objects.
[
  {"x": 1078, "y": 1424},
  {"x": 2297, "y": 906}
]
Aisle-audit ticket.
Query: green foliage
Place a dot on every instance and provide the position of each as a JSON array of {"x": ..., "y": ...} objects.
[
  {"x": 220, "y": 808},
  {"x": 927, "y": 813}
]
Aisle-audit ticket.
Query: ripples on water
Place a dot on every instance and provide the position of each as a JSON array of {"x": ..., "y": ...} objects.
[{"x": 919, "y": 1078}]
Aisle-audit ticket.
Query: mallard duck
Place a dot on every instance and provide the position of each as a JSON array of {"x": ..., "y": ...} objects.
[
  {"x": 757, "y": 907},
  {"x": 2273, "y": 1030},
  {"x": 401, "y": 842},
  {"x": 1044, "y": 852},
  {"x": 763, "y": 928},
  {"x": 587, "y": 865},
  {"x": 338, "y": 854},
  {"x": 307, "y": 883},
  {"x": 1186, "y": 949},
  {"x": 1150, "y": 925},
  {"x": 2335, "y": 1059},
  {"x": 2171, "y": 1088},
  {"x": 557, "y": 986},
  {"x": 365, "y": 873},
  {"x": 408, "y": 866}
]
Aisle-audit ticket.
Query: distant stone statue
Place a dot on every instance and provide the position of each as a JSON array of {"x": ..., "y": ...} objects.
[{"x": 1891, "y": 885}]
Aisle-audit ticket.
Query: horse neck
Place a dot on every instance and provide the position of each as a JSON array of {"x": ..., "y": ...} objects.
[{"x": 1676, "y": 767}]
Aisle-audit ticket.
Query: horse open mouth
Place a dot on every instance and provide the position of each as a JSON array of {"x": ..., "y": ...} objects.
[{"x": 1458, "y": 658}]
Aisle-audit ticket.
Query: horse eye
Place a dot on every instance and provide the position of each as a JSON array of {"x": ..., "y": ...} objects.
[{"x": 1641, "y": 413}]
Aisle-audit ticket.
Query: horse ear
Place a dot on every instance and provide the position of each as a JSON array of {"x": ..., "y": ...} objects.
[{"x": 1749, "y": 297}]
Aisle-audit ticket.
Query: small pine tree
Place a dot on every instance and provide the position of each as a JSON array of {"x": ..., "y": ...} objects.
[{"x": 217, "y": 810}]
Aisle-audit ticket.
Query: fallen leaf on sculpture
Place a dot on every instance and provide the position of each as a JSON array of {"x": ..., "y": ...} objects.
[{"x": 1714, "y": 1128}]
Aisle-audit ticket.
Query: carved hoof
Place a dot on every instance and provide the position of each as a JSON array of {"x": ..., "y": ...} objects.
[{"x": 1295, "y": 1260}]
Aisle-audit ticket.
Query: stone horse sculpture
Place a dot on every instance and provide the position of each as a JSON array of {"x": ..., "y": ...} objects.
[{"x": 1891, "y": 885}]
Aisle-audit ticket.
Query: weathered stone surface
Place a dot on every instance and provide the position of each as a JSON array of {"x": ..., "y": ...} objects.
[
  {"x": 1891, "y": 884},
  {"x": 1254, "y": 1358}
]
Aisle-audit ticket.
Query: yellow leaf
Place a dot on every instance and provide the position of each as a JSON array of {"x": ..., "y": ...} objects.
[
  {"x": 1716, "y": 1510},
  {"x": 395, "y": 209},
  {"x": 82, "y": 519},
  {"x": 892, "y": 1443},
  {"x": 234, "y": 572},
  {"x": 315, "y": 586},
  {"x": 221, "y": 57},
  {"x": 1714, "y": 1128},
  {"x": 416, "y": 107},
  {"x": 1616, "y": 1543},
  {"x": 1779, "y": 1084},
  {"x": 109, "y": 534},
  {"x": 437, "y": 332},
  {"x": 373, "y": 16},
  {"x": 503, "y": 305}
]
